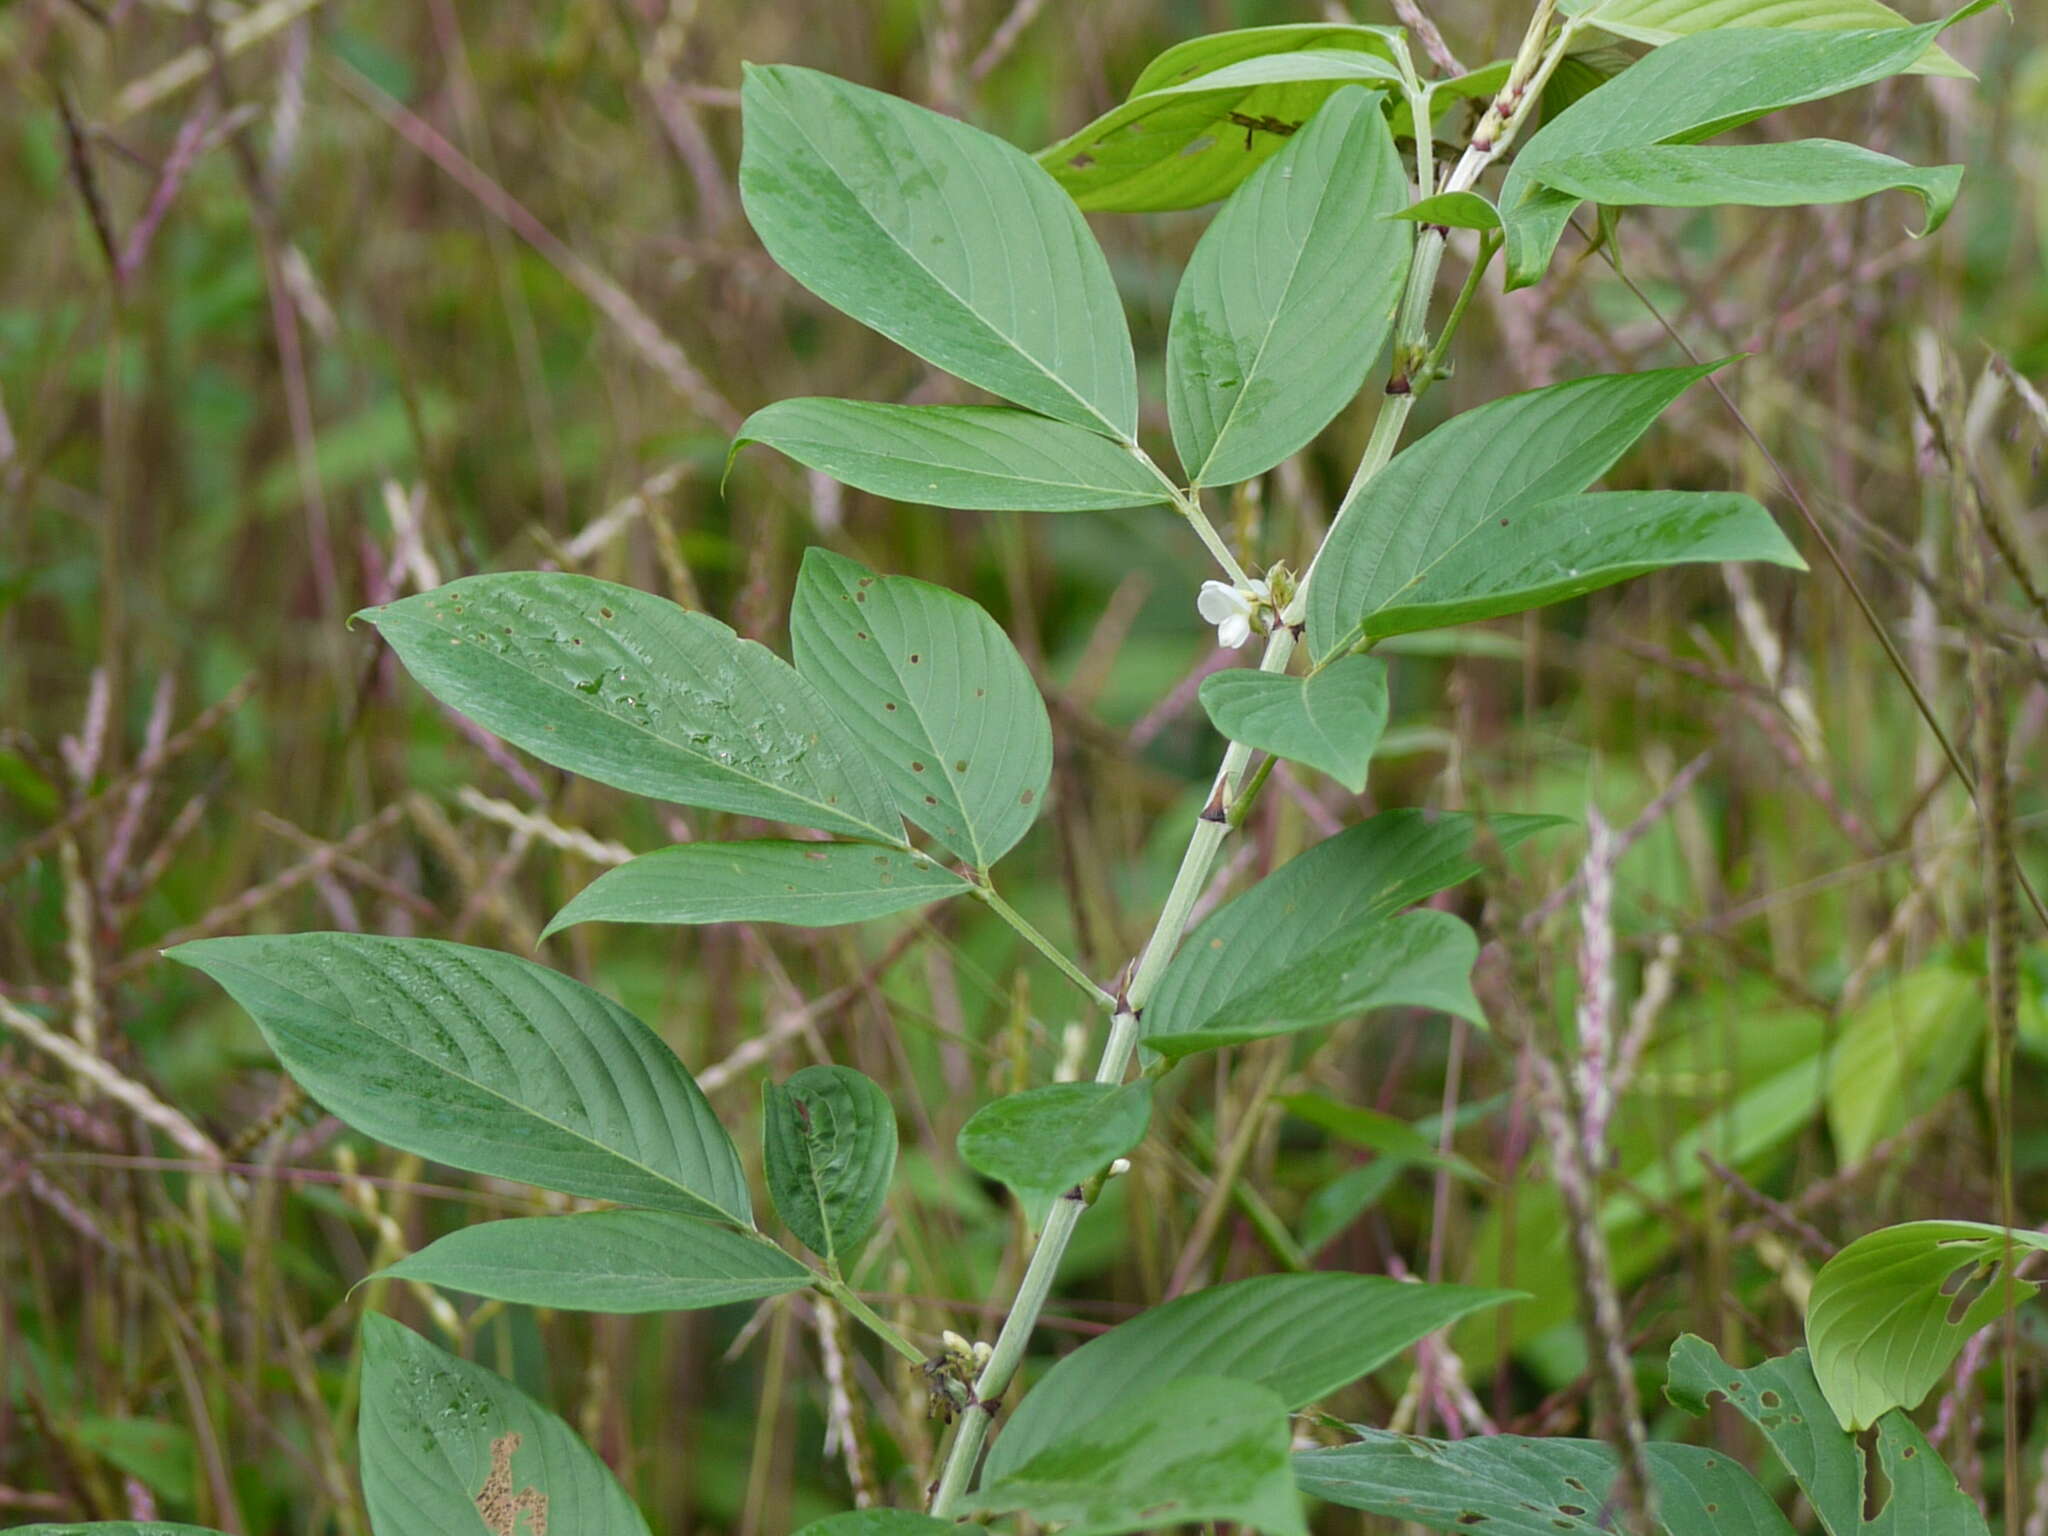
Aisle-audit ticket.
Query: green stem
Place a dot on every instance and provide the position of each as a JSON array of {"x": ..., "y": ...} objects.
[
  {"x": 1189, "y": 504},
  {"x": 872, "y": 1320},
  {"x": 964, "y": 1453},
  {"x": 1489, "y": 246},
  {"x": 1038, "y": 941}
]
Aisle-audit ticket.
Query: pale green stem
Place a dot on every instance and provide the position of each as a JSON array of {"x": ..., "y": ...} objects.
[
  {"x": 1193, "y": 876},
  {"x": 1038, "y": 941},
  {"x": 1189, "y": 504},
  {"x": 875, "y": 1323}
]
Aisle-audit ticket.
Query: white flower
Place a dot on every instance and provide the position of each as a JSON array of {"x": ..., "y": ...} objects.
[{"x": 1231, "y": 609}]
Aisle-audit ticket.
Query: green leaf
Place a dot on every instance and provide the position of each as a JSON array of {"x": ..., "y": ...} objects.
[
  {"x": 1556, "y": 550},
  {"x": 448, "y": 1446},
  {"x": 1920, "y": 1495},
  {"x": 631, "y": 690},
  {"x": 1343, "y": 884},
  {"x": 486, "y": 1062},
  {"x": 1393, "y": 1138},
  {"x": 1900, "y": 1053},
  {"x": 1205, "y": 55},
  {"x": 1689, "y": 90},
  {"x": 1045, "y": 1141},
  {"x": 1289, "y": 297},
  {"x": 887, "y": 1522},
  {"x": 1660, "y": 21},
  {"x": 829, "y": 1135},
  {"x": 945, "y": 239},
  {"x": 1785, "y": 175},
  {"x": 159, "y": 1453},
  {"x": 1889, "y": 1313},
  {"x": 982, "y": 458},
  {"x": 1331, "y": 720},
  {"x": 1491, "y": 462},
  {"x": 1300, "y": 1337},
  {"x": 1192, "y": 142},
  {"x": 936, "y": 692},
  {"x": 1198, "y": 1450},
  {"x": 1453, "y": 210},
  {"x": 606, "y": 1261},
  {"x": 815, "y": 885},
  {"x": 1417, "y": 960},
  {"x": 1514, "y": 1485}
]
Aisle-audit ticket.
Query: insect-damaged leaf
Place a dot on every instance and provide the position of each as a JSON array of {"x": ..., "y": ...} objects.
[{"x": 448, "y": 1446}]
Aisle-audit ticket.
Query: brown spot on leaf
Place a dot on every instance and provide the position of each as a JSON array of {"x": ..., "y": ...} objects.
[{"x": 499, "y": 1506}]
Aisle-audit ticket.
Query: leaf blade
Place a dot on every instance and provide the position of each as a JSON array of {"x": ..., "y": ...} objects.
[
  {"x": 815, "y": 885},
  {"x": 1299, "y": 1336},
  {"x": 1512, "y": 452},
  {"x": 979, "y": 458},
  {"x": 486, "y": 1062},
  {"x": 1289, "y": 297},
  {"x": 1195, "y": 1450},
  {"x": 829, "y": 1136},
  {"x": 1331, "y": 720},
  {"x": 606, "y": 1261},
  {"x": 1779, "y": 175},
  {"x": 1557, "y": 550},
  {"x": 449, "y": 1446},
  {"x": 1365, "y": 873},
  {"x": 938, "y": 695},
  {"x": 976, "y": 261},
  {"x": 1044, "y": 1141},
  {"x": 1418, "y": 959},
  {"x": 631, "y": 690}
]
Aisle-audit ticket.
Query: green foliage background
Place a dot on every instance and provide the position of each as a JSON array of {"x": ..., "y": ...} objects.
[{"x": 454, "y": 288}]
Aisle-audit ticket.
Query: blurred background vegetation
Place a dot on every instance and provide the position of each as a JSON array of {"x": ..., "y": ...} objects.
[{"x": 305, "y": 305}]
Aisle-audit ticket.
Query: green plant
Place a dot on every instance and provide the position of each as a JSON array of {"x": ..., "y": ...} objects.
[{"x": 907, "y": 703}]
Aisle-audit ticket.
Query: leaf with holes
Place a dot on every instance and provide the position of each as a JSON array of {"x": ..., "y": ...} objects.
[
  {"x": 1688, "y": 90},
  {"x": 1553, "y": 551},
  {"x": 1200, "y": 1449},
  {"x": 1045, "y": 1141},
  {"x": 945, "y": 239},
  {"x": 486, "y": 1062},
  {"x": 934, "y": 689},
  {"x": 1300, "y": 1337},
  {"x": 1514, "y": 1485},
  {"x": 1915, "y": 1493},
  {"x": 448, "y": 1446},
  {"x": 1494, "y": 461},
  {"x": 829, "y": 1138},
  {"x": 1900, "y": 1052},
  {"x": 813, "y": 885},
  {"x": 1415, "y": 960},
  {"x": 631, "y": 690},
  {"x": 1786, "y": 175},
  {"x": 1660, "y": 21},
  {"x": 606, "y": 1261},
  {"x": 982, "y": 458},
  {"x": 1289, "y": 297},
  {"x": 1342, "y": 885},
  {"x": 1192, "y": 141},
  {"x": 1889, "y": 1313},
  {"x": 1331, "y": 720}
]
